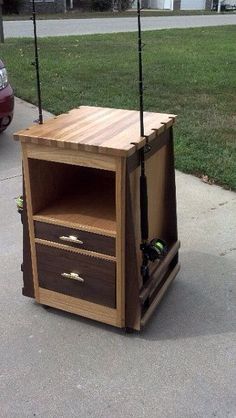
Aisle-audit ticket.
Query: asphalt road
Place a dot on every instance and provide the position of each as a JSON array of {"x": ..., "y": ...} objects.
[
  {"x": 109, "y": 25},
  {"x": 57, "y": 365}
]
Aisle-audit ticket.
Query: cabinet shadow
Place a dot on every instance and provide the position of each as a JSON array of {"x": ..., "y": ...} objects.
[{"x": 201, "y": 300}]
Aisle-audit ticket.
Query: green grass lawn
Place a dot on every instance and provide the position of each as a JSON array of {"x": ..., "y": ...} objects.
[{"x": 188, "y": 72}]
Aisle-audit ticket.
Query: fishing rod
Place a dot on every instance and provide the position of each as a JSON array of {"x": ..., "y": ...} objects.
[
  {"x": 36, "y": 64},
  {"x": 156, "y": 248},
  {"x": 143, "y": 178}
]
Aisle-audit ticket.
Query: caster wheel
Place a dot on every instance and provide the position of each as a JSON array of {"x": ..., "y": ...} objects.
[
  {"x": 129, "y": 330},
  {"x": 46, "y": 307}
]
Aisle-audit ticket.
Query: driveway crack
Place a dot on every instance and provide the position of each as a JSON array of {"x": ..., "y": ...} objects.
[{"x": 11, "y": 177}]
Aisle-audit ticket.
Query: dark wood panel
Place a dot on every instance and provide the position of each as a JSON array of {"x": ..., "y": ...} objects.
[
  {"x": 28, "y": 288},
  {"x": 91, "y": 242},
  {"x": 132, "y": 269},
  {"x": 157, "y": 296},
  {"x": 99, "y": 275},
  {"x": 170, "y": 195}
]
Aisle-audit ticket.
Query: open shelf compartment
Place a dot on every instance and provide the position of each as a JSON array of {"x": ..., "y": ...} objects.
[{"x": 74, "y": 196}]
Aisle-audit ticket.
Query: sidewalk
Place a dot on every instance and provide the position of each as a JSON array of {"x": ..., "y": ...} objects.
[{"x": 57, "y": 365}]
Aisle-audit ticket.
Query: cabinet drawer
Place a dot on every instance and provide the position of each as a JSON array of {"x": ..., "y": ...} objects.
[
  {"x": 75, "y": 238},
  {"x": 92, "y": 279}
]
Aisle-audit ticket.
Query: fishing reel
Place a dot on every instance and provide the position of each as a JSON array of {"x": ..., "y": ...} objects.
[
  {"x": 20, "y": 204},
  {"x": 154, "y": 250}
]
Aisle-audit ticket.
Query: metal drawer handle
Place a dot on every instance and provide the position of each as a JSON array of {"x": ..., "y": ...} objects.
[
  {"x": 73, "y": 276},
  {"x": 71, "y": 238}
]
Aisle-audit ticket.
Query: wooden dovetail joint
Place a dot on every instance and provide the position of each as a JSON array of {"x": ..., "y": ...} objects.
[
  {"x": 168, "y": 123},
  {"x": 156, "y": 132},
  {"x": 140, "y": 139},
  {"x": 164, "y": 125},
  {"x": 172, "y": 118}
]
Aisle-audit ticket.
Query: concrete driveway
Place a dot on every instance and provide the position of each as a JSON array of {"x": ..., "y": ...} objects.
[
  {"x": 109, "y": 25},
  {"x": 57, "y": 365}
]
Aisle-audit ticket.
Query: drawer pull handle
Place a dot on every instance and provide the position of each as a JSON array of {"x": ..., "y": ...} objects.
[
  {"x": 71, "y": 238},
  {"x": 73, "y": 276}
]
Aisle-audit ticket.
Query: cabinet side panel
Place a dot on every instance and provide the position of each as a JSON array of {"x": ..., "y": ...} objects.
[
  {"x": 28, "y": 199},
  {"x": 28, "y": 288},
  {"x": 161, "y": 212},
  {"x": 161, "y": 193},
  {"x": 120, "y": 240},
  {"x": 132, "y": 256},
  {"x": 170, "y": 192}
]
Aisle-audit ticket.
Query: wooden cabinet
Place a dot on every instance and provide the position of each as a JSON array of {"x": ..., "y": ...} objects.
[{"x": 82, "y": 213}]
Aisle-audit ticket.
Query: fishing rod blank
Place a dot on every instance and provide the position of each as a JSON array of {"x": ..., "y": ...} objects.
[
  {"x": 143, "y": 178},
  {"x": 36, "y": 64},
  {"x": 156, "y": 248}
]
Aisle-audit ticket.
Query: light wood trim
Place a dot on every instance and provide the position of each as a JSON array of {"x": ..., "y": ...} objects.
[
  {"x": 80, "y": 227},
  {"x": 120, "y": 239},
  {"x": 78, "y": 306},
  {"x": 74, "y": 250},
  {"x": 159, "y": 296},
  {"x": 30, "y": 220},
  {"x": 67, "y": 156}
]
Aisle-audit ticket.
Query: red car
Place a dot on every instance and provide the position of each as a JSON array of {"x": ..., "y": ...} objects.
[{"x": 6, "y": 99}]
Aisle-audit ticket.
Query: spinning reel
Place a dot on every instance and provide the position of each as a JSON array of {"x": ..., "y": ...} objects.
[{"x": 154, "y": 250}]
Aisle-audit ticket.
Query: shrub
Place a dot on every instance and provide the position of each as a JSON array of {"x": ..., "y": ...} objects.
[
  {"x": 11, "y": 6},
  {"x": 102, "y": 5},
  {"x": 122, "y": 4}
]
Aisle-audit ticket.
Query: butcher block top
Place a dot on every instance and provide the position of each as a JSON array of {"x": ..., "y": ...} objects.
[{"x": 97, "y": 129}]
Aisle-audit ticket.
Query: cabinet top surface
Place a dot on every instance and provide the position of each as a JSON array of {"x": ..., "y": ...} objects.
[{"x": 96, "y": 129}]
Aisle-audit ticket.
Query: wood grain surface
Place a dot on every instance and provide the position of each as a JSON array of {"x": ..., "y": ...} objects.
[
  {"x": 78, "y": 306},
  {"x": 96, "y": 129}
]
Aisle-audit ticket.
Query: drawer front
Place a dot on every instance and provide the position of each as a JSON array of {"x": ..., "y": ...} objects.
[
  {"x": 75, "y": 238},
  {"x": 92, "y": 279}
]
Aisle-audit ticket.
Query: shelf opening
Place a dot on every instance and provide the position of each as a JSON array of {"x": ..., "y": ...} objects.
[{"x": 72, "y": 195}]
